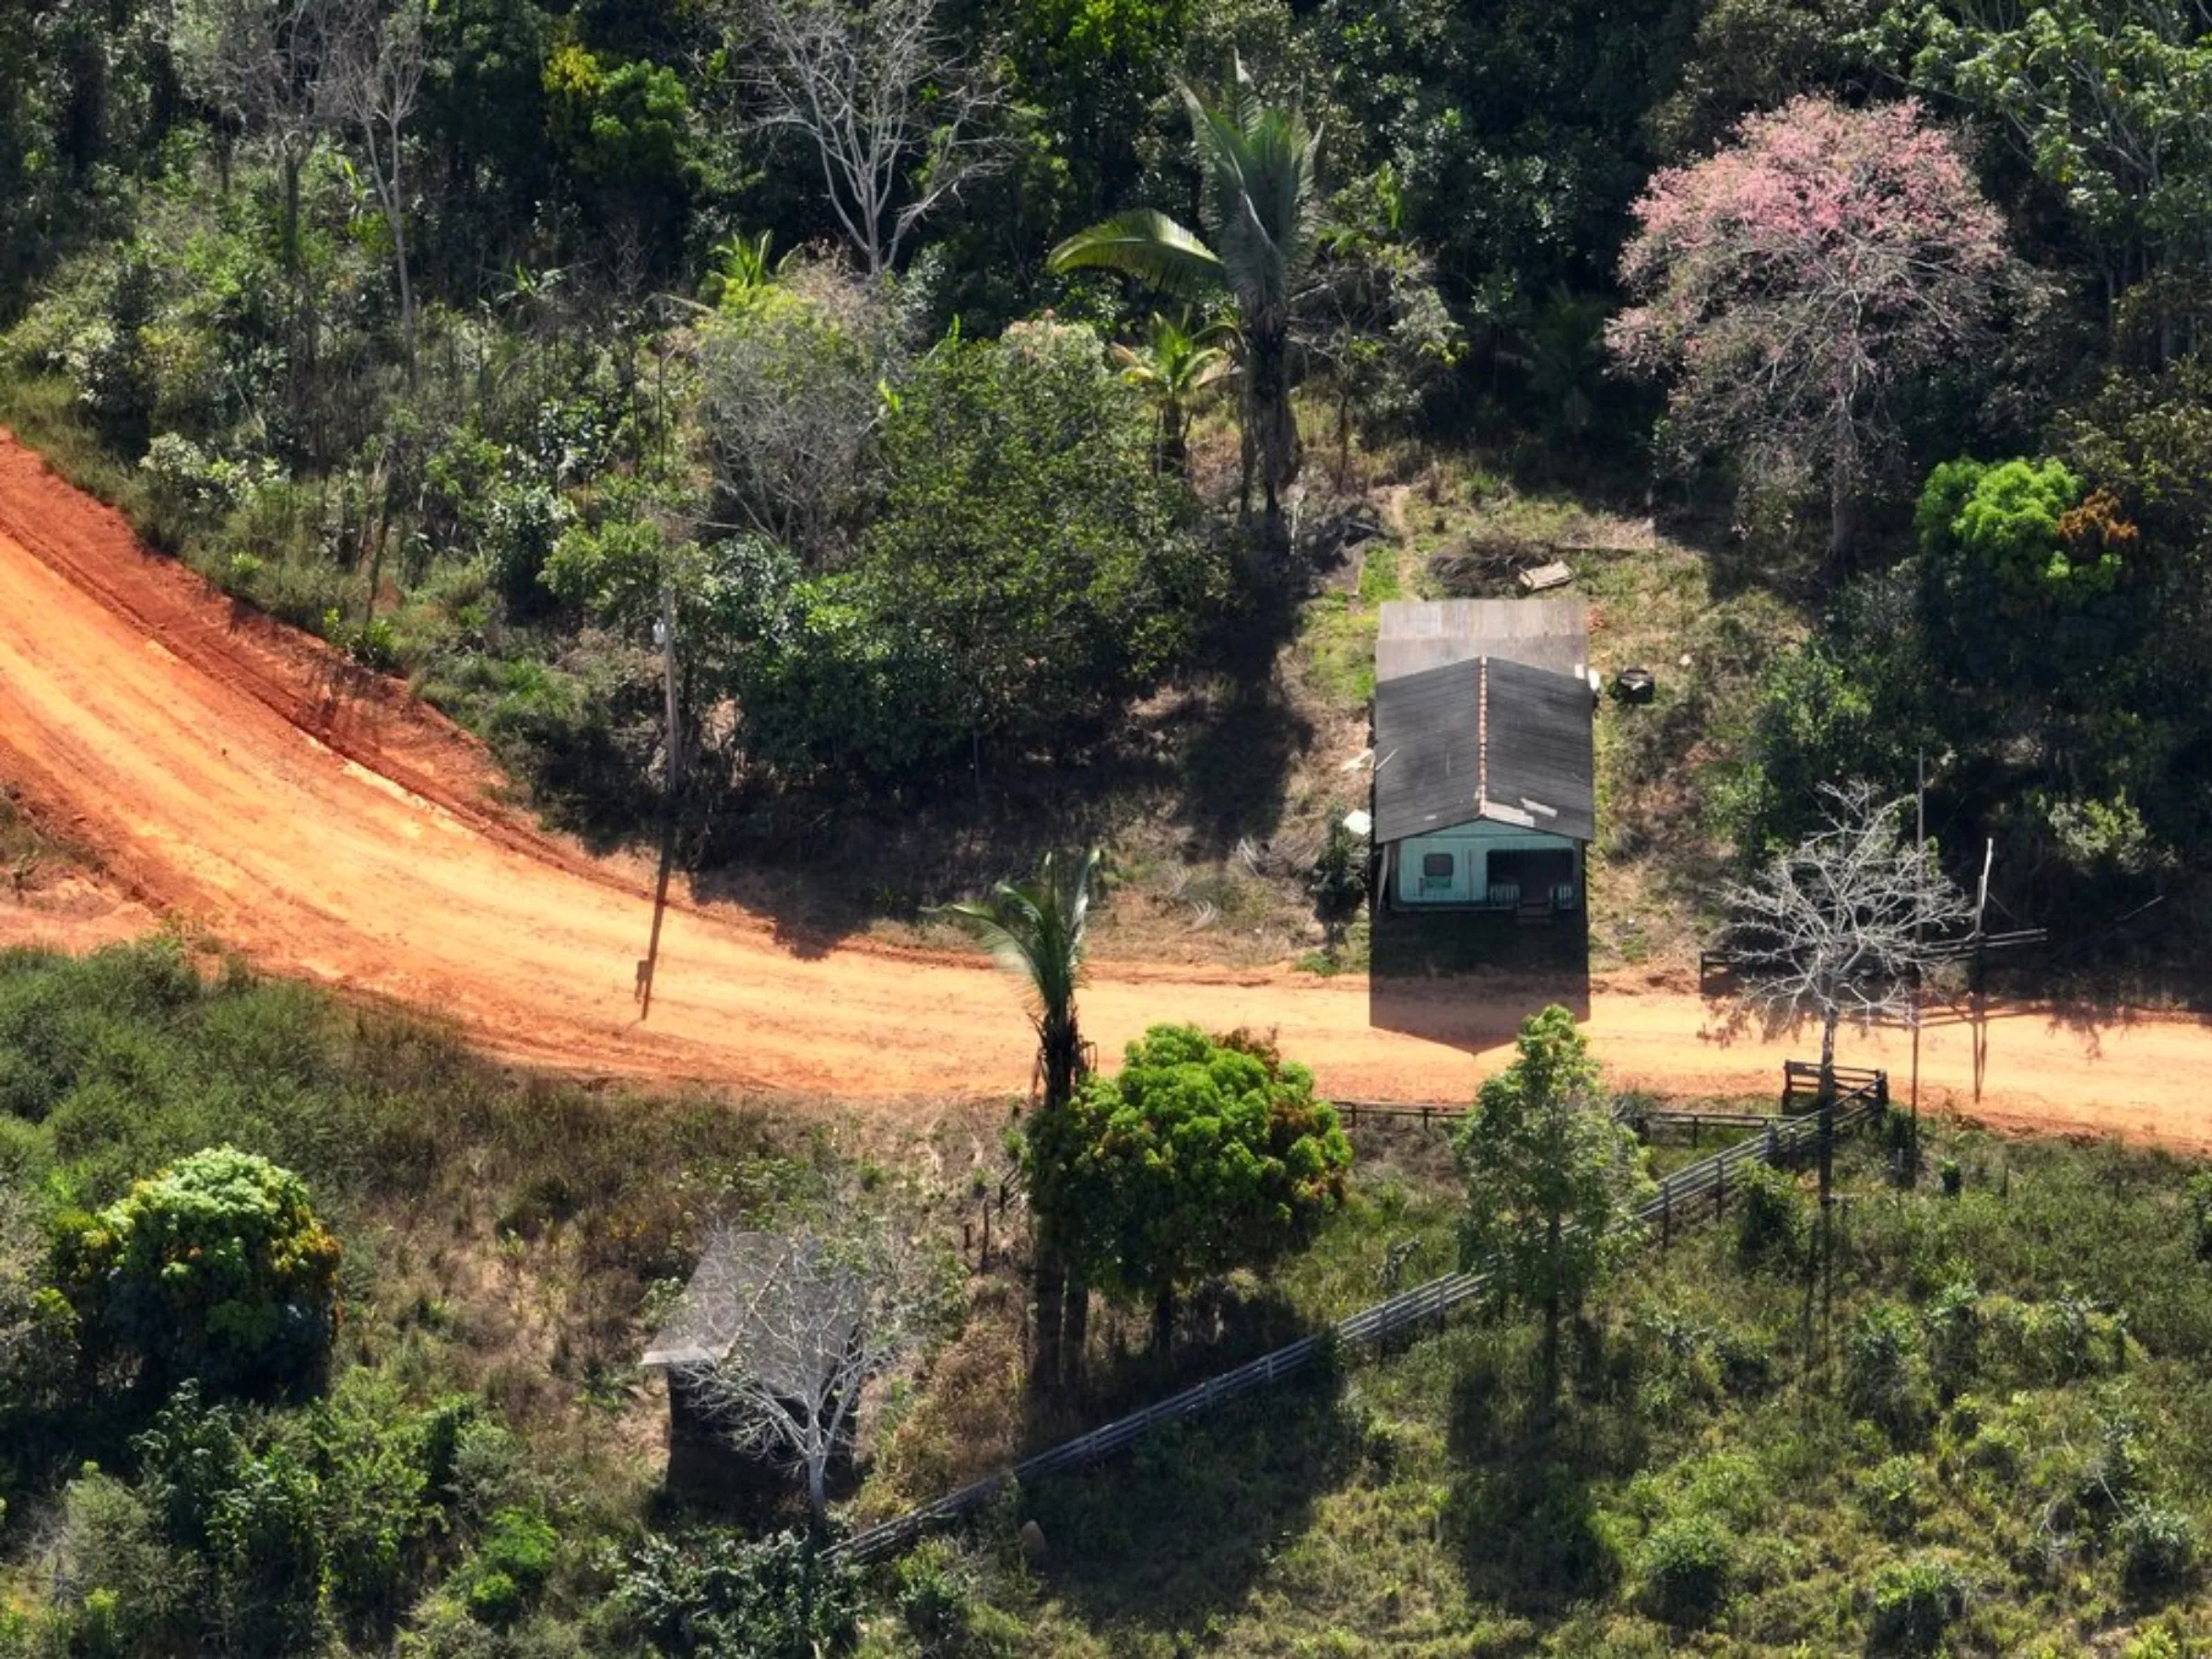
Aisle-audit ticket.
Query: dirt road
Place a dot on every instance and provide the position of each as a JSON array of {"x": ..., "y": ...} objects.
[{"x": 233, "y": 774}]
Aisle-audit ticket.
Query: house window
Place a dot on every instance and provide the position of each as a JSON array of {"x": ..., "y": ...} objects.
[{"x": 1436, "y": 867}]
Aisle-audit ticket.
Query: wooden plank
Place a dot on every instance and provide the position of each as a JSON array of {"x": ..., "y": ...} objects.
[{"x": 1555, "y": 574}]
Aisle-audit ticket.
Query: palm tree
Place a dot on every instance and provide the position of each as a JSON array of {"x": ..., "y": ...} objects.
[
  {"x": 1034, "y": 929},
  {"x": 1175, "y": 367},
  {"x": 1260, "y": 202}
]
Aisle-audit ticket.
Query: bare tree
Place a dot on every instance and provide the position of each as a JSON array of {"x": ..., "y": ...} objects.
[
  {"x": 371, "y": 75},
  {"x": 898, "y": 120},
  {"x": 779, "y": 1333},
  {"x": 258, "y": 63},
  {"x": 793, "y": 385},
  {"x": 1844, "y": 924}
]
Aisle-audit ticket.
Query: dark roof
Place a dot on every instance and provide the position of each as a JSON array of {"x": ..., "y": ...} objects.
[
  {"x": 1483, "y": 740},
  {"x": 1414, "y": 635}
]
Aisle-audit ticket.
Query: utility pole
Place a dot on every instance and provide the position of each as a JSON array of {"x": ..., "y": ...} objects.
[
  {"x": 666, "y": 631},
  {"x": 1920, "y": 853}
]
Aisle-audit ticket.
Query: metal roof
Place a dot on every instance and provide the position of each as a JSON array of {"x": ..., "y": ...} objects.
[
  {"x": 1415, "y": 635},
  {"x": 778, "y": 1300},
  {"x": 1488, "y": 739}
]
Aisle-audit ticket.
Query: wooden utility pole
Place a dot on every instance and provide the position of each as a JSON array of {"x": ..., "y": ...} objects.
[
  {"x": 666, "y": 629},
  {"x": 1920, "y": 968}
]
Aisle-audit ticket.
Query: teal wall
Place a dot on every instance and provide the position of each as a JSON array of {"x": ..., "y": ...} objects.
[{"x": 1468, "y": 846}]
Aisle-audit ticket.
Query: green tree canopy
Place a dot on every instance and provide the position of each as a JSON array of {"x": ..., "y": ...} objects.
[
  {"x": 2018, "y": 518},
  {"x": 1553, "y": 1180},
  {"x": 1028, "y": 574},
  {"x": 1202, "y": 1155},
  {"x": 216, "y": 1268}
]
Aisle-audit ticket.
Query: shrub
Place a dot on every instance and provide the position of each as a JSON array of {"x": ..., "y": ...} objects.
[
  {"x": 1915, "y": 1604},
  {"x": 494, "y": 1599},
  {"x": 1952, "y": 1321},
  {"x": 217, "y": 1268},
  {"x": 2158, "y": 1546},
  {"x": 2200, "y": 1212},
  {"x": 1893, "y": 1490},
  {"x": 1769, "y": 1219},
  {"x": 1879, "y": 1368},
  {"x": 1687, "y": 1565},
  {"x": 933, "y": 1601},
  {"x": 520, "y": 1545},
  {"x": 1951, "y": 1176},
  {"x": 715, "y": 1592}
]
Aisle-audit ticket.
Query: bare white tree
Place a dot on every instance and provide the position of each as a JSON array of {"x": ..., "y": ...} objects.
[
  {"x": 779, "y": 1331},
  {"x": 1844, "y": 924},
  {"x": 372, "y": 78},
  {"x": 898, "y": 121}
]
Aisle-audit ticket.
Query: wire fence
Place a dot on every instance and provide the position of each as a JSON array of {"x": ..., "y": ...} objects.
[{"x": 1699, "y": 1191}]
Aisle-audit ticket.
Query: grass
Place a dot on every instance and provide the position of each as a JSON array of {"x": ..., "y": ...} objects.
[
  {"x": 1726, "y": 1475},
  {"x": 506, "y": 1242}
]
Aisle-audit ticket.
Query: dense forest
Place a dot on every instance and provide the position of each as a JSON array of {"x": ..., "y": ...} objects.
[{"x": 954, "y": 377}]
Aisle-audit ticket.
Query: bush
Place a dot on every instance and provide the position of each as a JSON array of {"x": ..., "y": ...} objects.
[
  {"x": 715, "y": 1592},
  {"x": 932, "y": 1599},
  {"x": 494, "y": 1599},
  {"x": 1770, "y": 1225},
  {"x": 216, "y": 1268},
  {"x": 2158, "y": 1546},
  {"x": 1880, "y": 1380},
  {"x": 520, "y": 1545},
  {"x": 1687, "y": 1565},
  {"x": 1915, "y": 1604}
]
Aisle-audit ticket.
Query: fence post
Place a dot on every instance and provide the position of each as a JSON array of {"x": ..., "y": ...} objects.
[
  {"x": 1720, "y": 1191},
  {"x": 1667, "y": 1214}
]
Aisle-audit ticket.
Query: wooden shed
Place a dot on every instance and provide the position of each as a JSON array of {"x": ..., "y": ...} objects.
[{"x": 1485, "y": 792}]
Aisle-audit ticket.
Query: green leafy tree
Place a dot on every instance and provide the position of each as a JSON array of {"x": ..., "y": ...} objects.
[
  {"x": 1027, "y": 574},
  {"x": 2018, "y": 519},
  {"x": 1553, "y": 1180},
  {"x": 1260, "y": 201},
  {"x": 1035, "y": 930},
  {"x": 216, "y": 1269},
  {"x": 1202, "y": 1155}
]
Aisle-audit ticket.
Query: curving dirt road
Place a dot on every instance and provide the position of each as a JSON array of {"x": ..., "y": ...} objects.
[{"x": 233, "y": 774}]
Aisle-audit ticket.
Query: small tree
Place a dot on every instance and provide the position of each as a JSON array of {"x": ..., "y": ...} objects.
[
  {"x": 1843, "y": 925},
  {"x": 1260, "y": 200},
  {"x": 216, "y": 1268},
  {"x": 805, "y": 1318},
  {"x": 1553, "y": 1179},
  {"x": 1034, "y": 929},
  {"x": 1789, "y": 281},
  {"x": 897, "y": 119},
  {"x": 1204, "y": 1155},
  {"x": 375, "y": 59}
]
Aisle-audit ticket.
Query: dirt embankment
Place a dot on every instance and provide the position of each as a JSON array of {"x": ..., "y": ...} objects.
[{"x": 234, "y": 774}]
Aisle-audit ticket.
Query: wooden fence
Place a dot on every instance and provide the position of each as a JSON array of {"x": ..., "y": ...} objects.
[
  {"x": 1445, "y": 1113},
  {"x": 1700, "y": 1192}
]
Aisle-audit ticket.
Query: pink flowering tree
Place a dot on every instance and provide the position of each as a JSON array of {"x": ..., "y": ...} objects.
[{"x": 1789, "y": 281}]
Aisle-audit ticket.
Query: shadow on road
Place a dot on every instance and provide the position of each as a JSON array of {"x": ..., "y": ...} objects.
[{"x": 1467, "y": 979}]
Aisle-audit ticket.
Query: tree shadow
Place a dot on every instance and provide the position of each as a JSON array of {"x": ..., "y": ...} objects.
[
  {"x": 1466, "y": 978},
  {"x": 1521, "y": 1517},
  {"x": 1183, "y": 1528}
]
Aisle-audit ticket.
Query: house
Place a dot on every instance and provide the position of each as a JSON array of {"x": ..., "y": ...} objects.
[
  {"x": 1485, "y": 792},
  {"x": 782, "y": 1310}
]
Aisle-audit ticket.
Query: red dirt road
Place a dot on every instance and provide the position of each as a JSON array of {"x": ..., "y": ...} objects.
[{"x": 233, "y": 774}]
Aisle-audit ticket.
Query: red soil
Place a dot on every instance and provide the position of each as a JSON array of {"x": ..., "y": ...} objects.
[{"x": 234, "y": 774}]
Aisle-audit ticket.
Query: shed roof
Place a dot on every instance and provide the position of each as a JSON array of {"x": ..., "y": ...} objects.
[
  {"x": 1414, "y": 635},
  {"x": 773, "y": 1298},
  {"x": 1488, "y": 739}
]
